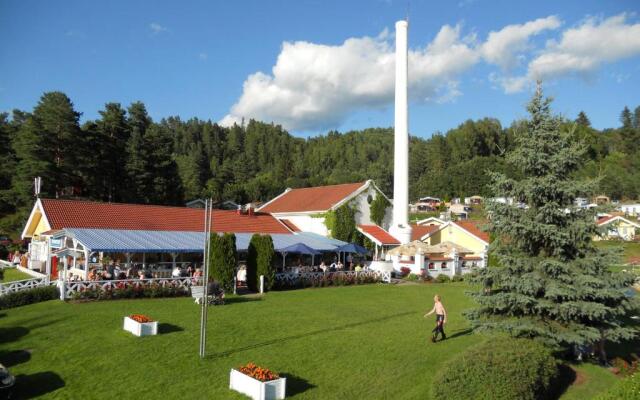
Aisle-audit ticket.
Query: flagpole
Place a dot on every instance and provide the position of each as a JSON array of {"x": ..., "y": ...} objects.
[{"x": 208, "y": 210}]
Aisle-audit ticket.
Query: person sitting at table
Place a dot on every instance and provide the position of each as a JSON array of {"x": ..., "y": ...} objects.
[
  {"x": 189, "y": 270},
  {"x": 241, "y": 276},
  {"x": 177, "y": 272},
  {"x": 323, "y": 267},
  {"x": 141, "y": 275},
  {"x": 339, "y": 266},
  {"x": 197, "y": 274},
  {"x": 333, "y": 266},
  {"x": 106, "y": 275},
  {"x": 92, "y": 274},
  {"x": 358, "y": 268}
]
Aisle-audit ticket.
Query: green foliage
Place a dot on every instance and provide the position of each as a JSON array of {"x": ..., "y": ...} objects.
[
  {"x": 378, "y": 208},
  {"x": 326, "y": 280},
  {"x": 442, "y": 278},
  {"x": 131, "y": 291},
  {"x": 344, "y": 227},
  {"x": 2, "y": 269},
  {"x": 550, "y": 281},
  {"x": 627, "y": 388},
  {"x": 498, "y": 369},
  {"x": 30, "y": 296},
  {"x": 252, "y": 262},
  {"x": 266, "y": 266},
  {"x": 260, "y": 261},
  {"x": 223, "y": 259}
]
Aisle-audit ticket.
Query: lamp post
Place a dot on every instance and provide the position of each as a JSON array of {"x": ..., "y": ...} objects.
[{"x": 205, "y": 266}]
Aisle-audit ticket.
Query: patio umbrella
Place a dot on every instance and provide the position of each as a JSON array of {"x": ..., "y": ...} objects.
[
  {"x": 299, "y": 248},
  {"x": 351, "y": 248}
]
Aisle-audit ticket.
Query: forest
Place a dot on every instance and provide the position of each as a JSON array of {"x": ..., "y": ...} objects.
[{"x": 125, "y": 156}]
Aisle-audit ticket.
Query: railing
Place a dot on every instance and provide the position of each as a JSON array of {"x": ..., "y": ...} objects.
[
  {"x": 71, "y": 287},
  {"x": 25, "y": 284},
  {"x": 293, "y": 277}
]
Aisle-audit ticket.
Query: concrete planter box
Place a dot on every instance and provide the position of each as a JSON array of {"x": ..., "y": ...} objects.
[
  {"x": 255, "y": 389},
  {"x": 140, "y": 329}
]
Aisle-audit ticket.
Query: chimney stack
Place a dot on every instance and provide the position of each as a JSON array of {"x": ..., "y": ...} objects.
[{"x": 400, "y": 226}]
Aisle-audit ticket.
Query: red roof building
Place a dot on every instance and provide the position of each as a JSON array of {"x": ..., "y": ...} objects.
[
  {"x": 53, "y": 214},
  {"x": 312, "y": 199},
  {"x": 378, "y": 235}
]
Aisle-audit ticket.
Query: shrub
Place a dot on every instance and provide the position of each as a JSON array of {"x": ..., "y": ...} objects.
[
  {"x": 133, "y": 290},
  {"x": 502, "y": 369},
  {"x": 1, "y": 274},
  {"x": 443, "y": 278},
  {"x": 412, "y": 277},
  {"x": 24, "y": 297},
  {"x": 223, "y": 259},
  {"x": 404, "y": 271},
  {"x": 457, "y": 278},
  {"x": 627, "y": 388},
  {"x": 266, "y": 254}
]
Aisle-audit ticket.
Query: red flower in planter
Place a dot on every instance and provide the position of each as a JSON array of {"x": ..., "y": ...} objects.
[
  {"x": 259, "y": 373},
  {"x": 140, "y": 318}
]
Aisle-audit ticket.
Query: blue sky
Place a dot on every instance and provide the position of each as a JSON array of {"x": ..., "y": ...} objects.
[{"x": 319, "y": 65}]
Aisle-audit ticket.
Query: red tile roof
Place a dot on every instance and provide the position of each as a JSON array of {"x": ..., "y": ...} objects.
[
  {"x": 474, "y": 229},
  {"x": 606, "y": 219},
  {"x": 418, "y": 231},
  {"x": 379, "y": 234},
  {"x": 292, "y": 227},
  {"x": 319, "y": 198},
  {"x": 89, "y": 214}
]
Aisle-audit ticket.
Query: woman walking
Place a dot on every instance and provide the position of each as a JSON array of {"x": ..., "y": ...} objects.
[{"x": 441, "y": 319}]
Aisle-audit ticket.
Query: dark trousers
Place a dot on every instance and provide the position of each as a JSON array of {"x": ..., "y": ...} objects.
[{"x": 439, "y": 327}]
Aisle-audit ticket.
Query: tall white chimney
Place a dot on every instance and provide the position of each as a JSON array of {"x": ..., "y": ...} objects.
[{"x": 400, "y": 226}]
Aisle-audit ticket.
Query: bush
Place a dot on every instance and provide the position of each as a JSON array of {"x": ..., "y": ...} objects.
[
  {"x": 131, "y": 290},
  {"x": 24, "y": 297},
  {"x": 404, "y": 271},
  {"x": 443, "y": 278},
  {"x": 223, "y": 259},
  {"x": 1, "y": 274},
  {"x": 412, "y": 277},
  {"x": 457, "y": 278},
  {"x": 266, "y": 254},
  {"x": 628, "y": 388},
  {"x": 502, "y": 369}
]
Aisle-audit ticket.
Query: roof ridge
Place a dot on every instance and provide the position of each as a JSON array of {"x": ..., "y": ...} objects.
[{"x": 327, "y": 186}]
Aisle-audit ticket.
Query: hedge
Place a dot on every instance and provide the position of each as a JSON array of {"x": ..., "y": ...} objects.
[
  {"x": 223, "y": 259},
  {"x": 30, "y": 296},
  {"x": 131, "y": 291},
  {"x": 627, "y": 388},
  {"x": 260, "y": 255},
  {"x": 502, "y": 368}
]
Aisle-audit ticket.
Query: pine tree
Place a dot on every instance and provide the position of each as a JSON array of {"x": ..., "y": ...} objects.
[
  {"x": 114, "y": 134},
  {"x": 139, "y": 180},
  {"x": 551, "y": 282},
  {"x": 583, "y": 120}
]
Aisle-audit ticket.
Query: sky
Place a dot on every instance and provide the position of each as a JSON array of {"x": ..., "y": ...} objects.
[{"x": 315, "y": 66}]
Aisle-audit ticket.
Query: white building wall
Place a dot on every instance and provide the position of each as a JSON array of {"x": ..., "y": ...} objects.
[{"x": 311, "y": 222}]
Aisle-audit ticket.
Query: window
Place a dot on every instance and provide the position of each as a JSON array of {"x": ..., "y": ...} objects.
[
  {"x": 443, "y": 265},
  {"x": 432, "y": 266},
  {"x": 464, "y": 264}
]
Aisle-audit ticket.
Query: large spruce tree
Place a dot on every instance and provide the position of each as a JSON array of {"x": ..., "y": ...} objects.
[{"x": 551, "y": 282}]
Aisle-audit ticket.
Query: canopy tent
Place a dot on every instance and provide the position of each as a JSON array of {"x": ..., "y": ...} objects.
[
  {"x": 412, "y": 248},
  {"x": 299, "y": 248},
  {"x": 352, "y": 248}
]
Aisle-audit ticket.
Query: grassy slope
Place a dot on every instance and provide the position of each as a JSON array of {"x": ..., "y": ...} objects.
[
  {"x": 350, "y": 342},
  {"x": 629, "y": 249},
  {"x": 12, "y": 274}
]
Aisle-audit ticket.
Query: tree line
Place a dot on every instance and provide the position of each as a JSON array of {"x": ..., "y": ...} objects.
[{"x": 125, "y": 156}]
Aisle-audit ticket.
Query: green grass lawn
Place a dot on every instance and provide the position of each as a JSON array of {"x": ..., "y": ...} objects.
[
  {"x": 331, "y": 343},
  {"x": 630, "y": 250},
  {"x": 12, "y": 274}
]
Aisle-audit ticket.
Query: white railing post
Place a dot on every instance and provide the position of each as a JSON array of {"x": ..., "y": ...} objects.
[
  {"x": 235, "y": 285},
  {"x": 261, "y": 283}
]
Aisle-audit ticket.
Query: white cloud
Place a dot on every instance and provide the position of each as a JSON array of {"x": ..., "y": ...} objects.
[
  {"x": 156, "y": 28},
  {"x": 585, "y": 48},
  {"x": 581, "y": 51},
  {"x": 505, "y": 47},
  {"x": 314, "y": 86}
]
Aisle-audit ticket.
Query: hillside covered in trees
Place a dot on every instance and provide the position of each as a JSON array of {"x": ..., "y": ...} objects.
[{"x": 124, "y": 156}]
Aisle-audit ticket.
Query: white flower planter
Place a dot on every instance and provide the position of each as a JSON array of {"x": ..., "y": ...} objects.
[
  {"x": 140, "y": 329},
  {"x": 255, "y": 389}
]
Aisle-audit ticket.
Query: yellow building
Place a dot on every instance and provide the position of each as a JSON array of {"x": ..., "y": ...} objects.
[{"x": 616, "y": 227}]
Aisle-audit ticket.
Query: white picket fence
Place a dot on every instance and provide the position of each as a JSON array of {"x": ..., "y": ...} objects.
[
  {"x": 293, "y": 277},
  {"x": 72, "y": 287},
  {"x": 25, "y": 284}
]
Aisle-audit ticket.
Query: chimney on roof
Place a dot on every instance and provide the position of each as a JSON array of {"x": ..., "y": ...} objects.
[
  {"x": 239, "y": 210},
  {"x": 250, "y": 211}
]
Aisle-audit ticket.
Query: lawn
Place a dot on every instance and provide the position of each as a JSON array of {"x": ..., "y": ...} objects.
[
  {"x": 630, "y": 250},
  {"x": 344, "y": 342},
  {"x": 12, "y": 274}
]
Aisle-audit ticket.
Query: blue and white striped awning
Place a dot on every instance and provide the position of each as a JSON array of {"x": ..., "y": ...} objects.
[{"x": 129, "y": 241}]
